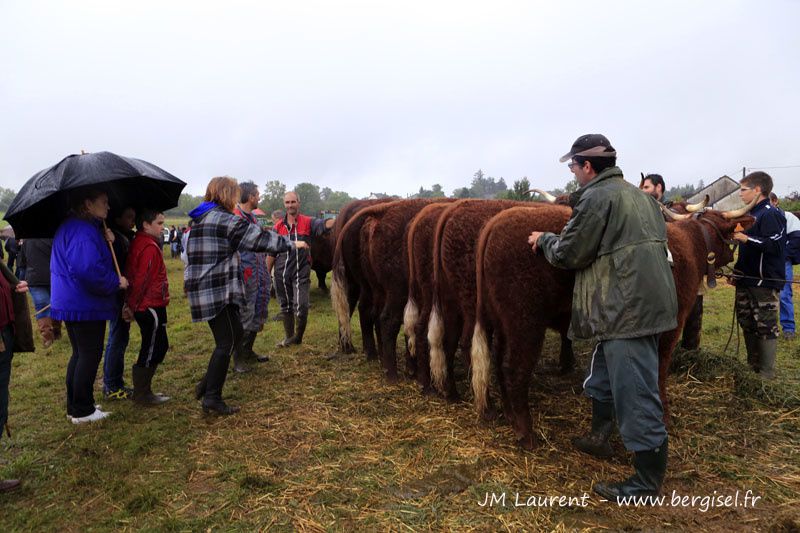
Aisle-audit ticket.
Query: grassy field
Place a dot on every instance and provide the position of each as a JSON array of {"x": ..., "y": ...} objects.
[{"x": 325, "y": 444}]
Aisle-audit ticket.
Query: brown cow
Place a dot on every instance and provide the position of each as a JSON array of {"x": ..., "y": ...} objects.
[
  {"x": 452, "y": 318},
  {"x": 419, "y": 249},
  {"x": 322, "y": 257},
  {"x": 347, "y": 282},
  {"x": 691, "y": 242},
  {"x": 387, "y": 272}
]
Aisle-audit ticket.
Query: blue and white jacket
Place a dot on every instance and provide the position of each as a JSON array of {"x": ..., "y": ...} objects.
[{"x": 761, "y": 258}]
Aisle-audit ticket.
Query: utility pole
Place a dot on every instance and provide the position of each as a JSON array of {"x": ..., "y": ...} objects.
[{"x": 744, "y": 169}]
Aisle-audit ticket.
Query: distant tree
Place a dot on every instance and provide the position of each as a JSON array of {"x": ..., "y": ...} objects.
[
  {"x": 186, "y": 203},
  {"x": 325, "y": 193},
  {"x": 437, "y": 191},
  {"x": 571, "y": 186},
  {"x": 310, "y": 201},
  {"x": 518, "y": 191},
  {"x": 335, "y": 200},
  {"x": 463, "y": 192},
  {"x": 6, "y": 197},
  {"x": 484, "y": 186},
  {"x": 272, "y": 196}
]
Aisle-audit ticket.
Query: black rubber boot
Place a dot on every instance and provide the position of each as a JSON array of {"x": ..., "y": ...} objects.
[
  {"x": 751, "y": 345},
  {"x": 596, "y": 442},
  {"x": 239, "y": 355},
  {"x": 767, "y": 349},
  {"x": 302, "y": 320},
  {"x": 288, "y": 329},
  {"x": 650, "y": 467},
  {"x": 215, "y": 380},
  {"x": 200, "y": 388},
  {"x": 142, "y": 382},
  {"x": 247, "y": 341}
]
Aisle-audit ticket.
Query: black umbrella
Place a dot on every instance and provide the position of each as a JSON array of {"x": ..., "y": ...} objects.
[{"x": 43, "y": 202}]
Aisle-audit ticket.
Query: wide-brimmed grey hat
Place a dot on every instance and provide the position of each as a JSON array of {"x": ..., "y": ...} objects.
[{"x": 590, "y": 145}]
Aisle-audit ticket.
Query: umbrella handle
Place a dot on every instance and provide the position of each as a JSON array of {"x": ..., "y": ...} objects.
[{"x": 111, "y": 247}]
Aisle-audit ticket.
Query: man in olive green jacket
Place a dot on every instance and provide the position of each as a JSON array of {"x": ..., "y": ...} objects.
[{"x": 624, "y": 297}]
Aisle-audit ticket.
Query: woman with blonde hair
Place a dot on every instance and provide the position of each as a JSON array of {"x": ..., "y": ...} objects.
[{"x": 214, "y": 284}]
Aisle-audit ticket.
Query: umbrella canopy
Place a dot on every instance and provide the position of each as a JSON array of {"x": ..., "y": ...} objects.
[{"x": 43, "y": 202}]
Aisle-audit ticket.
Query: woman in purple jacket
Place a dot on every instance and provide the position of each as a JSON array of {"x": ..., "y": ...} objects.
[{"x": 84, "y": 284}]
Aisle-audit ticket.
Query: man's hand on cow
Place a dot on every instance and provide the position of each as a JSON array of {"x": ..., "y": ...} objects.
[
  {"x": 329, "y": 223},
  {"x": 533, "y": 240},
  {"x": 301, "y": 245},
  {"x": 22, "y": 286},
  {"x": 739, "y": 236}
]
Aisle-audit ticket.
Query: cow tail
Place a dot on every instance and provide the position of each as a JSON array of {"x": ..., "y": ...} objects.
[
  {"x": 340, "y": 304},
  {"x": 436, "y": 332},
  {"x": 410, "y": 318},
  {"x": 480, "y": 355},
  {"x": 435, "y": 340}
]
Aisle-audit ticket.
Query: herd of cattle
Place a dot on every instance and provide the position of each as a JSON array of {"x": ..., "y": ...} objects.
[{"x": 458, "y": 275}]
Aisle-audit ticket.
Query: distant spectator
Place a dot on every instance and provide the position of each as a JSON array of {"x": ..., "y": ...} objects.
[
  {"x": 792, "y": 258},
  {"x": 653, "y": 184},
  {"x": 11, "y": 249}
]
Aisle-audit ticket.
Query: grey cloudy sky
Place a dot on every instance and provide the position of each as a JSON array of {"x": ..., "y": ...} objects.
[{"x": 379, "y": 96}]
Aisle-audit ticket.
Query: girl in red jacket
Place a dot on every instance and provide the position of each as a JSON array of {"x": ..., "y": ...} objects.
[{"x": 147, "y": 298}]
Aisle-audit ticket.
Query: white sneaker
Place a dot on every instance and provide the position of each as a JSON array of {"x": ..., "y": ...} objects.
[{"x": 94, "y": 417}]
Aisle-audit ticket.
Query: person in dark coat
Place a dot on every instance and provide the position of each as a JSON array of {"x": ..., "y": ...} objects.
[
  {"x": 14, "y": 323},
  {"x": 759, "y": 273},
  {"x": 84, "y": 286},
  {"x": 118, "y": 327},
  {"x": 11, "y": 251},
  {"x": 37, "y": 274}
]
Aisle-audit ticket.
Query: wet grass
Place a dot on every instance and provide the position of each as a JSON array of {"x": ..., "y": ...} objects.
[{"x": 327, "y": 445}]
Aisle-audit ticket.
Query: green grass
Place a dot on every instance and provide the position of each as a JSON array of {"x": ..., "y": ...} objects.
[{"x": 326, "y": 444}]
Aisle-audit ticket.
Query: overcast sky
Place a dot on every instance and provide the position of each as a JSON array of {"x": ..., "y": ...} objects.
[{"x": 380, "y": 96}]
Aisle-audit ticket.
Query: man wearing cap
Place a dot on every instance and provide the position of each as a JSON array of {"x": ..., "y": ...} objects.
[{"x": 624, "y": 297}]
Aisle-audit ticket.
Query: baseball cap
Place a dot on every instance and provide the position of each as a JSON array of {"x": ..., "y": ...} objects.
[{"x": 590, "y": 145}]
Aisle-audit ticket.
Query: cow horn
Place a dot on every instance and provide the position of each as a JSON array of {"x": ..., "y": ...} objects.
[
  {"x": 673, "y": 215},
  {"x": 699, "y": 206},
  {"x": 544, "y": 194},
  {"x": 736, "y": 213}
]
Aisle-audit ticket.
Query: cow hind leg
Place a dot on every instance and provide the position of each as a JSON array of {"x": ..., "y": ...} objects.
[
  {"x": 519, "y": 356},
  {"x": 365, "y": 318},
  {"x": 390, "y": 322},
  {"x": 666, "y": 345},
  {"x": 422, "y": 358}
]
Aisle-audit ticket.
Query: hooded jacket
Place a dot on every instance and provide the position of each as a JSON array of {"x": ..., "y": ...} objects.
[
  {"x": 616, "y": 240},
  {"x": 83, "y": 281}
]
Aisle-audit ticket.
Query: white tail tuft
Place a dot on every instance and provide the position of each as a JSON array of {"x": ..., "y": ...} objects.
[
  {"x": 410, "y": 318},
  {"x": 342, "y": 309},
  {"x": 480, "y": 366},
  {"x": 435, "y": 340}
]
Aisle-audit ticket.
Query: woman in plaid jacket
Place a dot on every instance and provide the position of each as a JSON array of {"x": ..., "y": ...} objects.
[{"x": 213, "y": 282}]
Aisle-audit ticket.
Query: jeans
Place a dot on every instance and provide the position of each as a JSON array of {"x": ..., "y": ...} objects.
[
  {"x": 787, "y": 307},
  {"x": 41, "y": 298},
  {"x": 114, "y": 359}
]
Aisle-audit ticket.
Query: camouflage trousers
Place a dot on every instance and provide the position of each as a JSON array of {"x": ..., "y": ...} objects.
[{"x": 757, "y": 311}]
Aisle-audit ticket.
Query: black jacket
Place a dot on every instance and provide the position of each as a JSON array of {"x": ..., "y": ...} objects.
[
  {"x": 761, "y": 258},
  {"x": 37, "y": 254}
]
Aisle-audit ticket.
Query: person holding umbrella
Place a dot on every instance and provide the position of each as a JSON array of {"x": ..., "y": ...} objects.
[
  {"x": 214, "y": 282},
  {"x": 84, "y": 286}
]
